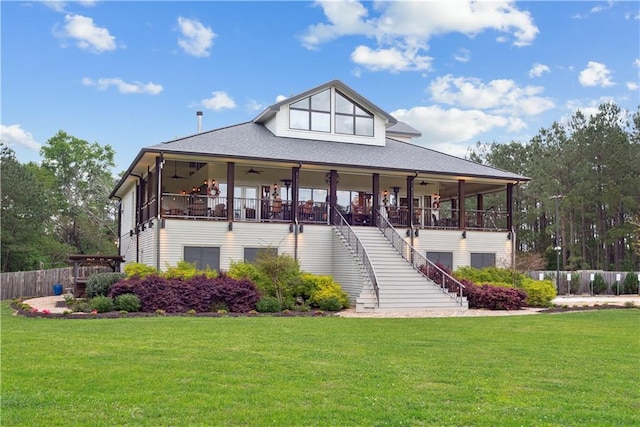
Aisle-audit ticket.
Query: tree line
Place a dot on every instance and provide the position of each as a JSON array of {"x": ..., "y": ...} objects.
[{"x": 588, "y": 165}]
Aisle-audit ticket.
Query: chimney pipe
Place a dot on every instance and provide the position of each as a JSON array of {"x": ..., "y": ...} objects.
[{"x": 199, "y": 114}]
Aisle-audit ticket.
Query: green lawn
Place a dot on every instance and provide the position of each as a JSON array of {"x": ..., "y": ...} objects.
[{"x": 564, "y": 369}]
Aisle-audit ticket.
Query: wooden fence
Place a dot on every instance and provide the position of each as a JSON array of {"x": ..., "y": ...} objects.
[
  {"x": 581, "y": 280},
  {"x": 39, "y": 283}
]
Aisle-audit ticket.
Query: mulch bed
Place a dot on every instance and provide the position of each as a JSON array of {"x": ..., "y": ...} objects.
[{"x": 117, "y": 315}]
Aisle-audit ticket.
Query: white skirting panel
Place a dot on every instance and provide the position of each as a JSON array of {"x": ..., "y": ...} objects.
[
  {"x": 180, "y": 233},
  {"x": 475, "y": 242},
  {"x": 346, "y": 270},
  {"x": 315, "y": 249}
]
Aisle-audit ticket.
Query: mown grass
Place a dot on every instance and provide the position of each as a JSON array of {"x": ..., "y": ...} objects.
[{"x": 568, "y": 369}]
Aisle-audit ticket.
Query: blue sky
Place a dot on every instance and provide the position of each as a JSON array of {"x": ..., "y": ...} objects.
[{"x": 133, "y": 74}]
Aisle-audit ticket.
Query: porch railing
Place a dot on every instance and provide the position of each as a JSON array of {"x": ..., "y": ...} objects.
[
  {"x": 244, "y": 209},
  {"x": 489, "y": 219},
  {"x": 417, "y": 260},
  {"x": 350, "y": 236}
]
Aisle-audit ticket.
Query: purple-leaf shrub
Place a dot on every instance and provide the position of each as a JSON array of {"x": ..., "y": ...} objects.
[
  {"x": 197, "y": 293},
  {"x": 483, "y": 296},
  {"x": 495, "y": 297},
  {"x": 239, "y": 295}
]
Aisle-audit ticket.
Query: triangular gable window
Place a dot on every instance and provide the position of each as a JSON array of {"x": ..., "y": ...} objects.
[
  {"x": 351, "y": 119},
  {"x": 312, "y": 113}
]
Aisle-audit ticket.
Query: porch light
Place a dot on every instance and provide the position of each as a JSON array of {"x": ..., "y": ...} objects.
[
  {"x": 464, "y": 234},
  {"x": 509, "y": 236}
]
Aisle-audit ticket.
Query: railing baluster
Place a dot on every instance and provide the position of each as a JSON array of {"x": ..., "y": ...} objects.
[{"x": 405, "y": 248}]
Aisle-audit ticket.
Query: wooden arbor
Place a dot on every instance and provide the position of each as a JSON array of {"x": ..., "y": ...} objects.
[{"x": 81, "y": 260}]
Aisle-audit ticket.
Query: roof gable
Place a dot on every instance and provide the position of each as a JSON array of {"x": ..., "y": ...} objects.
[{"x": 270, "y": 111}]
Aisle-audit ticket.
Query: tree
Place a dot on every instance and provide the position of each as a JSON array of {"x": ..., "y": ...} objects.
[
  {"x": 85, "y": 218},
  {"x": 27, "y": 241}
]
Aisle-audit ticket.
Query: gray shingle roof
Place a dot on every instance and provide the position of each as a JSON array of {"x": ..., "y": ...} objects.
[
  {"x": 254, "y": 141},
  {"x": 403, "y": 128}
]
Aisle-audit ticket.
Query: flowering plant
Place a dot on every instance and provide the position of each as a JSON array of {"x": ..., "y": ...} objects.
[{"x": 46, "y": 312}]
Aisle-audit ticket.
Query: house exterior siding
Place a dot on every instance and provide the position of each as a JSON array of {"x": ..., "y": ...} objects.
[
  {"x": 475, "y": 242},
  {"x": 346, "y": 268}
]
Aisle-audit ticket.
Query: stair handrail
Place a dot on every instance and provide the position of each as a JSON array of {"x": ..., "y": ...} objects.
[
  {"x": 354, "y": 242},
  {"x": 415, "y": 258}
]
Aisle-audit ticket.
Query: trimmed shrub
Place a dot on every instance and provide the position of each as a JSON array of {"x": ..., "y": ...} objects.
[
  {"x": 199, "y": 293},
  {"x": 268, "y": 304},
  {"x": 186, "y": 270},
  {"x": 330, "y": 304},
  {"x": 540, "y": 293},
  {"x": 495, "y": 297},
  {"x": 325, "y": 288},
  {"x": 136, "y": 269},
  {"x": 486, "y": 296},
  {"x": 240, "y": 296},
  {"x": 99, "y": 284},
  {"x": 127, "y": 302},
  {"x": 102, "y": 304},
  {"x": 631, "y": 283},
  {"x": 494, "y": 275},
  {"x": 278, "y": 270},
  {"x": 599, "y": 286},
  {"x": 245, "y": 270}
]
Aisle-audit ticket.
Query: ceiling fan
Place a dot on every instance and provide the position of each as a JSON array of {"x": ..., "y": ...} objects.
[
  {"x": 252, "y": 170},
  {"x": 175, "y": 171},
  {"x": 424, "y": 182}
]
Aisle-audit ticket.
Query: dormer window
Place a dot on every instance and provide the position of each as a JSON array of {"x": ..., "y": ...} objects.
[
  {"x": 312, "y": 113},
  {"x": 351, "y": 119}
]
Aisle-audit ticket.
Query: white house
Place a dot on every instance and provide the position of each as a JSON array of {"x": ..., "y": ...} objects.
[{"x": 329, "y": 178}]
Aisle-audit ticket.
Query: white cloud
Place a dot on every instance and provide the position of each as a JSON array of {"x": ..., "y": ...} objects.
[
  {"x": 599, "y": 8},
  {"x": 462, "y": 55},
  {"x": 403, "y": 29},
  {"x": 196, "y": 39},
  {"x": 253, "y": 105},
  {"x": 596, "y": 74},
  {"x": 60, "y": 6},
  {"x": 280, "y": 98},
  {"x": 632, "y": 85},
  {"x": 501, "y": 96},
  {"x": 122, "y": 86},
  {"x": 88, "y": 36},
  {"x": 345, "y": 18},
  {"x": 14, "y": 135},
  {"x": 636, "y": 63},
  {"x": 450, "y": 126},
  {"x": 219, "y": 101},
  {"x": 390, "y": 59},
  {"x": 634, "y": 16},
  {"x": 538, "y": 69}
]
